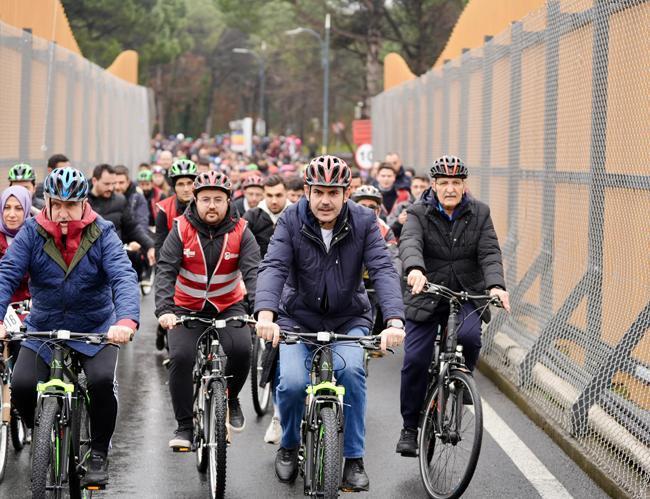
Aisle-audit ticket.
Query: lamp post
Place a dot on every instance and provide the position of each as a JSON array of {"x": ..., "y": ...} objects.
[
  {"x": 325, "y": 62},
  {"x": 262, "y": 75}
]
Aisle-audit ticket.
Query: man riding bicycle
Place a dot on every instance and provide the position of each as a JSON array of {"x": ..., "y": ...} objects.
[
  {"x": 448, "y": 239},
  {"x": 311, "y": 278},
  {"x": 200, "y": 270},
  {"x": 80, "y": 280}
]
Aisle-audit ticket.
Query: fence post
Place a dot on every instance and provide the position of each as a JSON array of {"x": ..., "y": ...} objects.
[
  {"x": 486, "y": 119},
  {"x": 463, "y": 107},
  {"x": 25, "y": 95},
  {"x": 69, "y": 108},
  {"x": 444, "y": 131},
  {"x": 48, "y": 136},
  {"x": 85, "y": 112}
]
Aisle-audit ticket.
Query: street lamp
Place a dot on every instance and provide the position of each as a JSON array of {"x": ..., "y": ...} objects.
[
  {"x": 262, "y": 75},
  {"x": 325, "y": 62}
]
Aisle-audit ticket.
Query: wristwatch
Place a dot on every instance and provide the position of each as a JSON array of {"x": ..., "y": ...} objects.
[{"x": 396, "y": 323}]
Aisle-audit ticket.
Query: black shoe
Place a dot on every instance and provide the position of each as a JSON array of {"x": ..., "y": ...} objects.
[
  {"x": 182, "y": 439},
  {"x": 237, "y": 421},
  {"x": 407, "y": 445},
  {"x": 355, "y": 478},
  {"x": 96, "y": 470},
  {"x": 286, "y": 464}
]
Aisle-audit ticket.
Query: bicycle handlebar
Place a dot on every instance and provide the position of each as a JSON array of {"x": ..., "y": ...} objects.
[
  {"x": 327, "y": 337},
  {"x": 60, "y": 334},
  {"x": 216, "y": 323},
  {"x": 439, "y": 289}
]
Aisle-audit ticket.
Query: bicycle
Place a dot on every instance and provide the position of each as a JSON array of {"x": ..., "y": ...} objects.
[
  {"x": 210, "y": 402},
  {"x": 12, "y": 424},
  {"x": 260, "y": 391},
  {"x": 62, "y": 436},
  {"x": 451, "y": 421},
  {"x": 320, "y": 455}
]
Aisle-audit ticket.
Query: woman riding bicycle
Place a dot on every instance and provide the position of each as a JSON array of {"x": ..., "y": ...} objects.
[
  {"x": 80, "y": 280},
  {"x": 448, "y": 239},
  {"x": 202, "y": 265}
]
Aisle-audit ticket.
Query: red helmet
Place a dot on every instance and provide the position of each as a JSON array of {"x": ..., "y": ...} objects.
[
  {"x": 328, "y": 171},
  {"x": 212, "y": 180},
  {"x": 252, "y": 181}
]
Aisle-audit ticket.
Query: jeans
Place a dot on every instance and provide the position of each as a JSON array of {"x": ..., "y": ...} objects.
[
  {"x": 418, "y": 350},
  {"x": 294, "y": 377}
]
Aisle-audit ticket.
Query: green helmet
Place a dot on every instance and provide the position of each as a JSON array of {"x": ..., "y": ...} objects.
[
  {"x": 21, "y": 172},
  {"x": 183, "y": 168},
  {"x": 145, "y": 176}
]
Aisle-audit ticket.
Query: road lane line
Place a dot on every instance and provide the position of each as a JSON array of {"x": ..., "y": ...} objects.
[{"x": 522, "y": 457}]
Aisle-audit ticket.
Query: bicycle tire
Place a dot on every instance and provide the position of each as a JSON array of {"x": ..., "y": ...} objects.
[
  {"x": 4, "y": 444},
  {"x": 217, "y": 439},
  {"x": 261, "y": 396},
  {"x": 327, "y": 472},
  {"x": 79, "y": 447},
  {"x": 18, "y": 431},
  {"x": 440, "y": 479},
  {"x": 201, "y": 429},
  {"x": 44, "y": 452}
]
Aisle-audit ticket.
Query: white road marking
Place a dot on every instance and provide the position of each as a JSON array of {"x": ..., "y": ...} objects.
[{"x": 522, "y": 457}]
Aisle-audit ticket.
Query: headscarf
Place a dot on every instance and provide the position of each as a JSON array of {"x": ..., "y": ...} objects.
[{"x": 24, "y": 197}]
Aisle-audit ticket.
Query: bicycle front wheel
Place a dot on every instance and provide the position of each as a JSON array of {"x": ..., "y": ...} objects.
[
  {"x": 201, "y": 429},
  {"x": 217, "y": 439},
  {"x": 261, "y": 395},
  {"x": 449, "y": 450},
  {"x": 79, "y": 446},
  {"x": 4, "y": 443},
  {"x": 327, "y": 472},
  {"x": 47, "y": 452}
]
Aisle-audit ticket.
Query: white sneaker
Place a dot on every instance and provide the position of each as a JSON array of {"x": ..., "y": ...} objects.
[{"x": 273, "y": 433}]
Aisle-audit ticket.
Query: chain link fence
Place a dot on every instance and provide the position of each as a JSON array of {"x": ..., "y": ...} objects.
[
  {"x": 553, "y": 119},
  {"x": 55, "y": 101}
]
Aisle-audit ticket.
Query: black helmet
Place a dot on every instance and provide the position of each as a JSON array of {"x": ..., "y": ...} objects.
[
  {"x": 448, "y": 166},
  {"x": 367, "y": 192}
]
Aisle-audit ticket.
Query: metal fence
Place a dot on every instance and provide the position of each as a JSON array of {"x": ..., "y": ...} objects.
[
  {"x": 553, "y": 119},
  {"x": 55, "y": 101}
]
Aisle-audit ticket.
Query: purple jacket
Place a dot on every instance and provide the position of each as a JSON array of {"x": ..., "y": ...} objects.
[{"x": 306, "y": 286}]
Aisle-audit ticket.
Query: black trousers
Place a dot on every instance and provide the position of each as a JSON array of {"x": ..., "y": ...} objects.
[
  {"x": 102, "y": 387},
  {"x": 182, "y": 340}
]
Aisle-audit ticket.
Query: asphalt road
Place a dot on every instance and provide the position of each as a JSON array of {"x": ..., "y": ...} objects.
[{"x": 517, "y": 458}]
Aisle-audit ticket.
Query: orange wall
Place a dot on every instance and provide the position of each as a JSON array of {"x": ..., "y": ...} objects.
[{"x": 48, "y": 20}]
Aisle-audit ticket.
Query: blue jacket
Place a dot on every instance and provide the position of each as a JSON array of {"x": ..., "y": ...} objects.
[
  {"x": 298, "y": 274},
  {"x": 101, "y": 288}
]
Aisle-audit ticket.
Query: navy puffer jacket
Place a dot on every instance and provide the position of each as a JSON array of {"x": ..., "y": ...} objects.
[{"x": 317, "y": 290}]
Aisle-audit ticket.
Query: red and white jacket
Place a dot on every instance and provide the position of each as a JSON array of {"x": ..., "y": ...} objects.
[{"x": 193, "y": 287}]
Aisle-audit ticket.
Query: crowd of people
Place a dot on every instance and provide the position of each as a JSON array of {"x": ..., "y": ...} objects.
[{"x": 291, "y": 239}]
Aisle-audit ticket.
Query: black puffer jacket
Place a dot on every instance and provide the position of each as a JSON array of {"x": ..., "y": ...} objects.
[
  {"x": 261, "y": 225},
  {"x": 462, "y": 254},
  {"x": 116, "y": 209}
]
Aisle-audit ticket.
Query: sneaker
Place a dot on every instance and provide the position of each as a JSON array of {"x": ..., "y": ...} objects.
[
  {"x": 286, "y": 464},
  {"x": 273, "y": 433},
  {"x": 407, "y": 445},
  {"x": 236, "y": 419},
  {"x": 97, "y": 470},
  {"x": 355, "y": 478},
  {"x": 160, "y": 338},
  {"x": 182, "y": 439}
]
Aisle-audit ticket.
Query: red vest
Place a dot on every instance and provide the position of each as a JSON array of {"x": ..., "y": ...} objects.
[
  {"x": 153, "y": 203},
  {"x": 22, "y": 293},
  {"x": 168, "y": 207},
  {"x": 193, "y": 288}
]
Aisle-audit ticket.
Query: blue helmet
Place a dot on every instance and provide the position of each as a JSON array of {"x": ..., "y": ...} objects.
[{"x": 66, "y": 184}]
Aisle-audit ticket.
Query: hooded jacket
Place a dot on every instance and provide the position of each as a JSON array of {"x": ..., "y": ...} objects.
[
  {"x": 462, "y": 253},
  {"x": 211, "y": 238},
  {"x": 82, "y": 282},
  {"x": 318, "y": 290}
]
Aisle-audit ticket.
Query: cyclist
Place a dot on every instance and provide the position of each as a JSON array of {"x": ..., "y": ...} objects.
[
  {"x": 54, "y": 161},
  {"x": 182, "y": 175},
  {"x": 311, "y": 278},
  {"x": 80, "y": 280},
  {"x": 402, "y": 179},
  {"x": 392, "y": 197},
  {"x": 15, "y": 203},
  {"x": 151, "y": 193},
  {"x": 160, "y": 179},
  {"x": 253, "y": 193},
  {"x": 448, "y": 239},
  {"x": 200, "y": 271},
  {"x": 295, "y": 187},
  {"x": 23, "y": 175}
]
